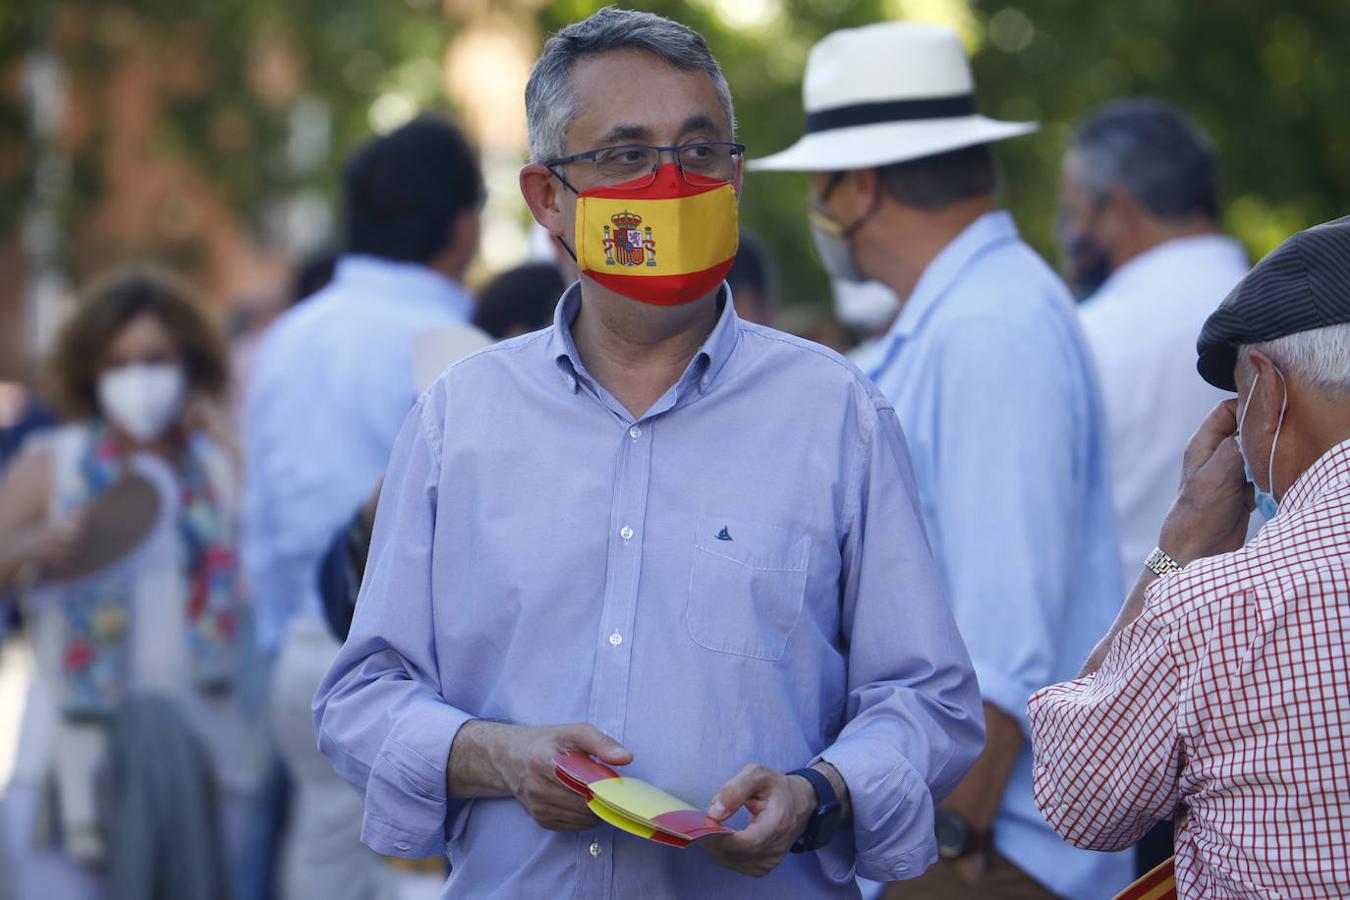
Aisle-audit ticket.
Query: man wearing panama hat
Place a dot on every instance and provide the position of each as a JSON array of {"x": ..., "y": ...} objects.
[{"x": 993, "y": 385}]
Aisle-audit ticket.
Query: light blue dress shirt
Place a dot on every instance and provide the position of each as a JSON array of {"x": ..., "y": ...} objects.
[
  {"x": 333, "y": 383},
  {"x": 740, "y": 575},
  {"x": 994, "y": 386}
]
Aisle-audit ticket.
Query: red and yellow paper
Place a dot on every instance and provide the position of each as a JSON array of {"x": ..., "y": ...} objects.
[
  {"x": 1158, "y": 884},
  {"x": 632, "y": 804}
]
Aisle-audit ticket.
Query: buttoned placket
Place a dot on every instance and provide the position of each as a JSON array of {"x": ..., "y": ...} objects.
[{"x": 614, "y": 654}]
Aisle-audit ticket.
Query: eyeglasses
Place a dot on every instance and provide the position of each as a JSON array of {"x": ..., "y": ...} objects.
[
  {"x": 817, "y": 214},
  {"x": 706, "y": 160}
]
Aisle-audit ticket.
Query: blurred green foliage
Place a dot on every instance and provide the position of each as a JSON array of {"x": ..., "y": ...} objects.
[
  {"x": 1265, "y": 79},
  {"x": 214, "y": 110}
]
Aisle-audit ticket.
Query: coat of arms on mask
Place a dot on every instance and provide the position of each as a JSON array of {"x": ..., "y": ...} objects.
[{"x": 627, "y": 243}]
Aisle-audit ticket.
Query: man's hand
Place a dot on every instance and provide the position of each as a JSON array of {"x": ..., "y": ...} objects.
[
  {"x": 780, "y": 806},
  {"x": 489, "y": 759},
  {"x": 1208, "y": 517},
  {"x": 1210, "y": 513},
  {"x": 529, "y": 772}
]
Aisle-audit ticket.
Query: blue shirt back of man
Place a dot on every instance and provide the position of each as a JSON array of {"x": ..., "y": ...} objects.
[
  {"x": 333, "y": 384},
  {"x": 995, "y": 389}
]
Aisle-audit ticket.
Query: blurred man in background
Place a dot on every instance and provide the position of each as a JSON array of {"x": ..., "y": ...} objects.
[
  {"x": 1139, "y": 201},
  {"x": 516, "y": 302},
  {"x": 993, "y": 384},
  {"x": 333, "y": 383}
]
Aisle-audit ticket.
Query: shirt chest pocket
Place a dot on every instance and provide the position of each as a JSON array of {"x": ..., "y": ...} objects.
[{"x": 746, "y": 586}]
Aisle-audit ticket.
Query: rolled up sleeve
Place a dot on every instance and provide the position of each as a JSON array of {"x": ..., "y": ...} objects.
[
  {"x": 379, "y": 713},
  {"x": 1107, "y": 746},
  {"x": 914, "y": 723}
]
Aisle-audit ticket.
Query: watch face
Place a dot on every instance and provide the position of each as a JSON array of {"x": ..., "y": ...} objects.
[
  {"x": 828, "y": 822},
  {"x": 953, "y": 835}
]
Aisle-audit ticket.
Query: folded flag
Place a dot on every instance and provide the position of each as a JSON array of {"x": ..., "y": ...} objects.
[
  {"x": 1158, "y": 884},
  {"x": 634, "y": 805}
]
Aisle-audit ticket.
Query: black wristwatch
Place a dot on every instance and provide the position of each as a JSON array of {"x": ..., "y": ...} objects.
[
  {"x": 820, "y": 827},
  {"x": 957, "y": 838}
]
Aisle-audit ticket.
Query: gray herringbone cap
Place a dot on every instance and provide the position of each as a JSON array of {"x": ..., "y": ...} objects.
[{"x": 1302, "y": 284}]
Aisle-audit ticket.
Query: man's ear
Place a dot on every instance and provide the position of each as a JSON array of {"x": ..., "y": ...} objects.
[
  {"x": 865, "y": 184},
  {"x": 543, "y": 195},
  {"x": 461, "y": 245},
  {"x": 467, "y": 232},
  {"x": 1121, "y": 216},
  {"x": 1267, "y": 399}
]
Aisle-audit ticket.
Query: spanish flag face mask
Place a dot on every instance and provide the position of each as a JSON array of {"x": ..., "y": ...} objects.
[{"x": 664, "y": 240}]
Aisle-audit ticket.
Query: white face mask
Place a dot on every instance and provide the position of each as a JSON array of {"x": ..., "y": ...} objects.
[
  {"x": 867, "y": 307},
  {"x": 836, "y": 255},
  {"x": 142, "y": 399}
]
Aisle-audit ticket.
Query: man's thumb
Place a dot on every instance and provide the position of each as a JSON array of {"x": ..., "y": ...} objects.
[{"x": 603, "y": 747}]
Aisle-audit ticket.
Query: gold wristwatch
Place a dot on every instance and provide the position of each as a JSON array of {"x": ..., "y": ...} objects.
[{"x": 1161, "y": 563}]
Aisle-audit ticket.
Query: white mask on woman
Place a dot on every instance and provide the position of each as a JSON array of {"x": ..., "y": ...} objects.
[{"x": 143, "y": 399}]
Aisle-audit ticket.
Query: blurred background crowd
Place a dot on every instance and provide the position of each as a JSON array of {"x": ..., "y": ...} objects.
[{"x": 251, "y": 148}]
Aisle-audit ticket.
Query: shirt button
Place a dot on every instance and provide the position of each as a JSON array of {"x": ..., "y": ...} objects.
[
  {"x": 403, "y": 846},
  {"x": 626, "y": 533},
  {"x": 615, "y": 639},
  {"x": 595, "y": 848},
  {"x": 635, "y": 432}
]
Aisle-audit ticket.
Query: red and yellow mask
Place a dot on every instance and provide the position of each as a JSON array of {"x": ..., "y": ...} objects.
[{"x": 666, "y": 242}]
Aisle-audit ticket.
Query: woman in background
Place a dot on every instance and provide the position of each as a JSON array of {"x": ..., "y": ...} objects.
[{"x": 139, "y": 371}]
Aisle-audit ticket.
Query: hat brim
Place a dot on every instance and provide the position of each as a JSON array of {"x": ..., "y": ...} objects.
[{"x": 887, "y": 142}]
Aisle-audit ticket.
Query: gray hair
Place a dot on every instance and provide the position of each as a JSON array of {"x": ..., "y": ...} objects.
[
  {"x": 1154, "y": 152},
  {"x": 550, "y": 104},
  {"x": 1319, "y": 357}
]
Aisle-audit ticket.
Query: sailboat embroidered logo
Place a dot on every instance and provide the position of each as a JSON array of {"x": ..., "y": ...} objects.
[{"x": 724, "y": 535}]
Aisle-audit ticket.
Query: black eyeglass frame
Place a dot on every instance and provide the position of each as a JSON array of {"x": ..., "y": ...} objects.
[{"x": 737, "y": 150}]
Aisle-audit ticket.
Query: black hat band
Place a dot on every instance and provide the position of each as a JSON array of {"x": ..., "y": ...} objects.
[{"x": 858, "y": 114}]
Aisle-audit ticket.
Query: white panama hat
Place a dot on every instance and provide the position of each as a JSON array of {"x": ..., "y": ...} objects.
[{"x": 887, "y": 93}]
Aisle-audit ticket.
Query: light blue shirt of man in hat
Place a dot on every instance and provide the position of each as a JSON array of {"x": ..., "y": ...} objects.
[{"x": 994, "y": 387}]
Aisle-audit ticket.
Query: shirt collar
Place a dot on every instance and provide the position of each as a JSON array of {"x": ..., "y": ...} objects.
[
  {"x": 1331, "y": 470},
  {"x": 1208, "y": 251},
  {"x": 401, "y": 282},
  {"x": 989, "y": 230},
  {"x": 705, "y": 367}
]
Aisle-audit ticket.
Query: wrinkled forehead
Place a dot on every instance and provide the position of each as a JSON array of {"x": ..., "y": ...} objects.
[{"x": 635, "y": 97}]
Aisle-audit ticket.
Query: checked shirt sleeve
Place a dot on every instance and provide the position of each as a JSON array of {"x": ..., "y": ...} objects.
[{"x": 1107, "y": 746}]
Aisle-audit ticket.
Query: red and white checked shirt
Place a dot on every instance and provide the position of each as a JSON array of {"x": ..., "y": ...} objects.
[{"x": 1226, "y": 704}]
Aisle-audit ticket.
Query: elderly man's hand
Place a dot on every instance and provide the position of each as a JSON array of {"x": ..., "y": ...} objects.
[
  {"x": 1210, "y": 513},
  {"x": 529, "y": 772},
  {"x": 780, "y": 806}
]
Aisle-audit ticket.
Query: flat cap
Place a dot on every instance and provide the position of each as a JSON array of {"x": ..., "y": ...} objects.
[{"x": 1302, "y": 284}]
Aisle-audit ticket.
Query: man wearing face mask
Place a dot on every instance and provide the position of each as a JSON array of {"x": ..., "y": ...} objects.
[
  {"x": 993, "y": 384},
  {"x": 685, "y": 533},
  {"x": 1138, "y": 219},
  {"x": 1221, "y": 695}
]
